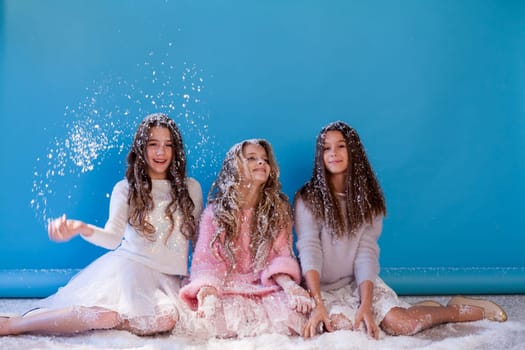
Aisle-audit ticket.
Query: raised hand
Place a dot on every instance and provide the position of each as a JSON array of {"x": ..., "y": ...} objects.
[{"x": 63, "y": 229}]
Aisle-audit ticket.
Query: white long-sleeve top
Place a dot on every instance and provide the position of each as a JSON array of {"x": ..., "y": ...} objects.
[
  {"x": 339, "y": 261},
  {"x": 169, "y": 257}
]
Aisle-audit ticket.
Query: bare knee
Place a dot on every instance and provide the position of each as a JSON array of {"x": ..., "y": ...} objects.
[
  {"x": 399, "y": 322},
  {"x": 166, "y": 324}
]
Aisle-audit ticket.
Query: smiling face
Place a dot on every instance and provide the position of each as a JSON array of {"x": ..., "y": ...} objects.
[
  {"x": 256, "y": 169},
  {"x": 159, "y": 152},
  {"x": 335, "y": 153}
]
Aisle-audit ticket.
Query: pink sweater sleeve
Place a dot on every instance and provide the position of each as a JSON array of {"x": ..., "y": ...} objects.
[
  {"x": 281, "y": 259},
  {"x": 206, "y": 269}
]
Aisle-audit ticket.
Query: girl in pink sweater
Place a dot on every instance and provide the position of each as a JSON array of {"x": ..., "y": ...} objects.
[{"x": 244, "y": 275}]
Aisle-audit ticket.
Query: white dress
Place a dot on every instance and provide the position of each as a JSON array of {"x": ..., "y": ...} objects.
[{"x": 140, "y": 279}]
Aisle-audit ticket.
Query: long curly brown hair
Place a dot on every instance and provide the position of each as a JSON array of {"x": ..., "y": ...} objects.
[
  {"x": 271, "y": 214},
  {"x": 139, "y": 197},
  {"x": 364, "y": 197}
]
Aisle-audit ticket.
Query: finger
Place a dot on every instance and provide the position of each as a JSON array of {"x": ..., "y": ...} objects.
[
  {"x": 298, "y": 307},
  {"x": 313, "y": 330},
  {"x": 54, "y": 231},
  {"x": 49, "y": 227},
  {"x": 307, "y": 330},
  {"x": 357, "y": 322},
  {"x": 373, "y": 332},
  {"x": 310, "y": 304},
  {"x": 301, "y": 307},
  {"x": 371, "y": 329},
  {"x": 376, "y": 331},
  {"x": 307, "y": 308},
  {"x": 51, "y": 230},
  {"x": 328, "y": 325},
  {"x": 63, "y": 226}
]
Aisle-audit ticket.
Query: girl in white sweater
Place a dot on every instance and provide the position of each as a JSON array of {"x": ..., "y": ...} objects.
[
  {"x": 338, "y": 220},
  {"x": 152, "y": 217}
]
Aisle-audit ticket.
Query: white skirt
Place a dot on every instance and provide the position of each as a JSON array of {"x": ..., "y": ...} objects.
[
  {"x": 120, "y": 284},
  {"x": 346, "y": 300}
]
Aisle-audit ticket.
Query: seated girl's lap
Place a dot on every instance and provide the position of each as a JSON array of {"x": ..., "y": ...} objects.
[{"x": 346, "y": 300}]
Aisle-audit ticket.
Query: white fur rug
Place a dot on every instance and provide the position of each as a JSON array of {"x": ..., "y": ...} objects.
[{"x": 479, "y": 335}]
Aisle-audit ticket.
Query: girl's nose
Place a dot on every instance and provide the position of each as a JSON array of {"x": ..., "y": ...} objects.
[{"x": 160, "y": 150}]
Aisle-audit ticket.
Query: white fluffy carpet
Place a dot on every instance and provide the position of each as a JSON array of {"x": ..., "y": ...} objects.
[{"x": 479, "y": 335}]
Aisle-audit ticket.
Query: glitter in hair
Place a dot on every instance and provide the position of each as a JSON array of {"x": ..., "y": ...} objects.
[
  {"x": 364, "y": 198},
  {"x": 140, "y": 199},
  {"x": 271, "y": 215}
]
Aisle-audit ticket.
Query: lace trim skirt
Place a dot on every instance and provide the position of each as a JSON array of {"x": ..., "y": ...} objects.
[
  {"x": 346, "y": 300},
  {"x": 242, "y": 316}
]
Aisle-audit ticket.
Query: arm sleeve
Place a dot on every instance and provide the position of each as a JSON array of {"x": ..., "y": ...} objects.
[
  {"x": 308, "y": 238},
  {"x": 367, "y": 258},
  {"x": 206, "y": 269},
  {"x": 281, "y": 259},
  {"x": 194, "y": 188},
  {"x": 111, "y": 235}
]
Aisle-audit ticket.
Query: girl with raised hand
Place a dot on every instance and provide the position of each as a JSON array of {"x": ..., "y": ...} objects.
[
  {"x": 244, "y": 275},
  {"x": 153, "y": 216},
  {"x": 338, "y": 219}
]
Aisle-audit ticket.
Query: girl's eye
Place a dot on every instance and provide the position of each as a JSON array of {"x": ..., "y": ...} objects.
[
  {"x": 169, "y": 145},
  {"x": 251, "y": 158}
]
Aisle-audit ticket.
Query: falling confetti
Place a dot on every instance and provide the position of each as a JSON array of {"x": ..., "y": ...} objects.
[{"x": 103, "y": 122}]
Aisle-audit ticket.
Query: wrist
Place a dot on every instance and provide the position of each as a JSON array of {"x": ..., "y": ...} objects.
[
  {"x": 365, "y": 305},
  {"x": 284, "y": 281},
  {"x": 86, "y": 230},
  {"x": 318, "y": 300}
]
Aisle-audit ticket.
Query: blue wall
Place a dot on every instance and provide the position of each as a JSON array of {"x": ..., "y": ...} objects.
[{"x": 435, "y": 88}]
